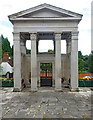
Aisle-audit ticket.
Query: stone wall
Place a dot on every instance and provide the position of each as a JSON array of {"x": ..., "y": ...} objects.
[{"x": 48, "y": 58}]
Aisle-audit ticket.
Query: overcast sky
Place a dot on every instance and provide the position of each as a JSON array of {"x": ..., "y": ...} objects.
[{"x": 8, "y": 7}]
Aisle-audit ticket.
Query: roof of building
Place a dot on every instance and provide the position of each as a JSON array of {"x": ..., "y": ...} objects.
[
  {"x": 39, "y": 12},
  {"x": 7, "y": 59}
]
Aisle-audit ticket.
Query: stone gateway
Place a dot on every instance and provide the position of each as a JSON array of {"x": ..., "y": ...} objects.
[{"x": 45, "y": 22}]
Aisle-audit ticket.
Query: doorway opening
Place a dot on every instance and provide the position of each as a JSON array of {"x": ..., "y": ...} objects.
[{"x": 46, "y": 74}]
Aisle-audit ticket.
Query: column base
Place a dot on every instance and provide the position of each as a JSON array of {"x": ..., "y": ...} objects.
[
  {"x": 34, "y": 90},
  {"x": 58, "y": 90},
  {"x": 74, "y": 89},
  {"x": 34, "y": 84},
  {"x": 17, "y": 90}
]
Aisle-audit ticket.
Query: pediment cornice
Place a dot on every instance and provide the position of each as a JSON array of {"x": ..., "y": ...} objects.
[{"x": 45, "y": 11}]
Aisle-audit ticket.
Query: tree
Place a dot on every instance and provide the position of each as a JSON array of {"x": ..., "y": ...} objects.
[
  {"x": 86, "y": 65},
  {"x": 91, "y": 62},
  {"x": 5, "y": 46},
  {"x": 83, "y": 64},
  {"x": 80, "y": 54},
  {"x": 80, "y": 65}
]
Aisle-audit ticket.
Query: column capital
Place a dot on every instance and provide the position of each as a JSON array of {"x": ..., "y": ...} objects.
[
  {"x": 33, "y": 36},
  {"x": 75, "y": 33},
  {"x": 15, "y": 32},
  {"x": 58, "y": 36},
  {"x": 16, "y": 36}
]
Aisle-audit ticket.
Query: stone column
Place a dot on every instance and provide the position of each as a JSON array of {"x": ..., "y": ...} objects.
[
  {"x": 67, "y": 68},
  {"x": 53, "y": 73},
  {"x": 39, "y": 74},
  {"x": 57, "y": 61},
  {"x": 33, "y": 62},
  {"x": 67, "y": 46},
  {"x": 17, "y": 62},
  {"x": 23, "y": 53},
  {"x": 67, "y": 60},
  {"x": 74, "y": 61},
  {"x": 23, "y": 46},
  {"x": 63, "y": 69}
]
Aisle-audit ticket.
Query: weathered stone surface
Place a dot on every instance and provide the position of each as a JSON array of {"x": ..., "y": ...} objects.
[{"x": 46, "y": 104}]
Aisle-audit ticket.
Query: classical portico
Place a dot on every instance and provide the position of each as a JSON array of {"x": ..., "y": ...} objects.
[{"x": 45, "y": 22}]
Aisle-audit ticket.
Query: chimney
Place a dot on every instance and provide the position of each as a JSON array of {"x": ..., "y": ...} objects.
[{"x": 5, "y": 57}]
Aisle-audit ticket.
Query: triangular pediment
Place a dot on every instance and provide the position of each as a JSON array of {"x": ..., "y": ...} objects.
[{"x": 45, "y": 11}]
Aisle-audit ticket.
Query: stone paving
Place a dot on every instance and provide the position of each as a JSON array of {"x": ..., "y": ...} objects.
[{"x": 45, "y": 104}]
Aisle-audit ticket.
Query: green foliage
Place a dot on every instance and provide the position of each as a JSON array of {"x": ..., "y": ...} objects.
[
  {"x": 80, "y": 54},
  {"x": 0, "y": 68},
  {"x": 50, "y": 51},
  {"x": 80, "y": 65},
  {"x": 0, "y": 48},
  {"x": 83, "y": 62},
  {"x": 28, "y": 51},
  {"x": 91, "y": 62},
  {"x": 5, "y": 46},
  {"x": 46, "y": 67}
]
